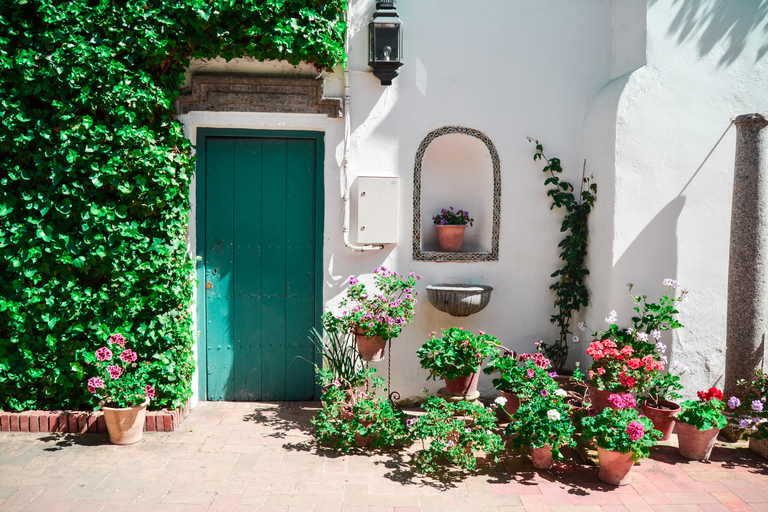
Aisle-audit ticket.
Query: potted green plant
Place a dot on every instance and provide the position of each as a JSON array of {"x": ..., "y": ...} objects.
[
  {"x": 341, "y": 362},
  {"x": 452, "y": 433},
  {"x": 622, "y": 437},
  {"x": 122, "y": 387},
  {"x": 753, "y": 412},
  {"x": 657, "y": 397},
  {"x": 346, "y": 422},
  {"x": 450, "y": 228},
  {"x": 377, "y": 317},
  {"x": 520, "y": 377},
  {"x": 698, "y": 424},
  {"x": 625, "y": 359},
  {"x": 456, "y": 356},
  {"x": 543, "y": 424}
]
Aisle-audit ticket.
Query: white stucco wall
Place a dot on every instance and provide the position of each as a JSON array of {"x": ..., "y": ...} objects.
[
  {"x": 508, "y": 70},
  {"x": 648, "y": 107},
  {"x": 674, "y": 157}
]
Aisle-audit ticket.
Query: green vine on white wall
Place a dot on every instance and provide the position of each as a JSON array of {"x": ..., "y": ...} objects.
[{"x": 570, "y": 290}]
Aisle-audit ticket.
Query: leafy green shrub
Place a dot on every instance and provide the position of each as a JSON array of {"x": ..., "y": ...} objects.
[
  {"x": 705, "y": 413},
  {"x": 524, "y": 375},
  {"x": 458, "y": 353},
  {"x": 622, "y": 430},
  {"x": 453, "y": 433},
  {"x": 95, "y": 175},
  {"x": 348, "y": 417},
  {"x": 544, "y": 420}
]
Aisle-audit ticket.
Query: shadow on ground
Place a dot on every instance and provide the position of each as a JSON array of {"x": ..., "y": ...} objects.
[
  {"x": 576, "y": 475},
  {"x": 285, "y": 418},
  {"x": 61, "y": 441}
]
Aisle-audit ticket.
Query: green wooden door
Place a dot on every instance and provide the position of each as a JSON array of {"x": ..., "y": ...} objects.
[{"x": 262, "y": 262}]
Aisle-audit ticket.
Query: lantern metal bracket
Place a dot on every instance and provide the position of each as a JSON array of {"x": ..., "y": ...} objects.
[{"x": 385, "y": 47}]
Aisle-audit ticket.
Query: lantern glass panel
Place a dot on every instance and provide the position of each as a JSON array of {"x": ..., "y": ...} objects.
[{"x": 386, "y": 42}]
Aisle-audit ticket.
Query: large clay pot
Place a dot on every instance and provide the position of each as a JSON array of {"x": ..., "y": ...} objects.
[
  {"x": 513, "y": 402},
  {"x": 693, "y": 443},
  {"x": 615, "y": 467},
  {"x": 600, "y": 398},
  {"x": 565, "y": 382},
  {"x": 360, "y": 441},
  {"x": 371, "y": 348},
  {"x": 126, "y": 425},
  {"x": 663, "y": 417},
  {"x": 542, "y": 457},
  {"x": 759, "y": 446},
  {"x": 462, "y": 385},
  {"x": 450, "y": 237}
]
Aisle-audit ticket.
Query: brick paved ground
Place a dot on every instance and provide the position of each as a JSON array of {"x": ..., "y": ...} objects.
[{"x": 260, "y": 457}]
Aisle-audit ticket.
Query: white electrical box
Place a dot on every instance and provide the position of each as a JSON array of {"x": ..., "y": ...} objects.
[{"x": 377, "y": 210}]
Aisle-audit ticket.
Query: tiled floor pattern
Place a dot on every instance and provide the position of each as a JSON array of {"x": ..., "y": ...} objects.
[{"x": 260, "y": 457}]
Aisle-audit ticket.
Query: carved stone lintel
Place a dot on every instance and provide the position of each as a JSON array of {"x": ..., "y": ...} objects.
[{"x": 272, "y": 94}]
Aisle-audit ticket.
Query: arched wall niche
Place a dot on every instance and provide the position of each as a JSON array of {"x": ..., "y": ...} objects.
[{"x": 461, "y": 169}]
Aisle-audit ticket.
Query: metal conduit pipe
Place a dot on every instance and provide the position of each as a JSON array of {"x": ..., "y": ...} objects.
[{"x": 345, "y": 161}]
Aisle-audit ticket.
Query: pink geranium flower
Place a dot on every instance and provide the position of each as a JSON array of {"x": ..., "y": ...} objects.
[
  {"x": 128, "y": 356},
  {"x": 635, "y": 430},
  {"x": 118, "y": 339},
  {"x": 114, "y": 371},
  {"x": 149, "y": 391},
  {"x": 103, "y": 354},
  {"x": 94, "y": 383}
]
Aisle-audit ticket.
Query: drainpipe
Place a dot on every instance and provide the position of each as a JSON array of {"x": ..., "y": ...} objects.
[{"x": 345, "y": 160}]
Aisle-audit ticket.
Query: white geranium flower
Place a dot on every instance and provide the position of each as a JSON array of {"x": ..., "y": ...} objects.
[
  {"x": 553, "y": 415},
  {"x": 561, "y": 393},
  {"x": 500, "y": 401}
]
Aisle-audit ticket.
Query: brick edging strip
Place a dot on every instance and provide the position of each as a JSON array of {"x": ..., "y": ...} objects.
[{"x": 82, "y": 422}]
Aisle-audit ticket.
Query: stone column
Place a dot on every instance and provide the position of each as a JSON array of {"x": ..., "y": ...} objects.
[{"x": 748, "y": 265}]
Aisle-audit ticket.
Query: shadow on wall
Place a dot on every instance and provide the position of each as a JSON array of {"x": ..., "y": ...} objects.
[
  {"x": 718, "y": 20},
  {"x": 647, "y": 260}
]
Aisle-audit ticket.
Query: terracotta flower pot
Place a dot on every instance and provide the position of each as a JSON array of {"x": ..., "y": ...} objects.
[
  {"x": 615, "y": 467},
  {"x": 450, "y": 237},
  {"x": 600, "y": 398},
  {"x": 693, "y": 443},
  {"x": 663, "y": 417},
  {"x": 462, "y": 385},
  {"x": 564, "y": 381},
  {"x": 542, "y": 457},
  {"x": 513, "y": 402},
  {"x": 759, "y": 446},
  {"x": 360, "y": 441},
  {"x": 126, "y": 425},
  {"x": 371, "y": 348}
]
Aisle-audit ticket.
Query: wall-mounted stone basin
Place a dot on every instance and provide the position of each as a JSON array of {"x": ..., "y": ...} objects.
[{"x": 459, "y": 299}]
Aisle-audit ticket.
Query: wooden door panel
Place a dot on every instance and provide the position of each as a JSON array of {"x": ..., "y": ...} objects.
[
  {"x": 219, "y": 268},
  {"x": 261, "y": 235},
  {"x": 249, "y": 267}
]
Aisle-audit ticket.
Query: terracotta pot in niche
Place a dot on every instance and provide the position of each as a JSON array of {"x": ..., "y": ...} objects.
[{"x": 450, "y": 237}]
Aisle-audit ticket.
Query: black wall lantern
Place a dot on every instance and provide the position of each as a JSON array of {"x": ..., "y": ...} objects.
[{"x": 385, "y": 47}]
